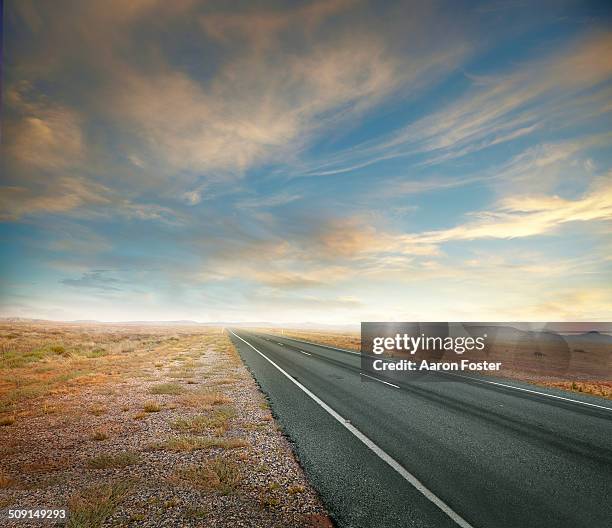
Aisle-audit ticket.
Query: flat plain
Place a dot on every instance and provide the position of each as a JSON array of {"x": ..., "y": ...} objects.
[{"x": 128, "y": 425}]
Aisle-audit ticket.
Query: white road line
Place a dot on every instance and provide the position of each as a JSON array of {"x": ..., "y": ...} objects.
[
  {"x": 382, "y": 381},
  {"x": 531, "y": 391},
  {"x": 409, "y": 477},
  {"x": 307, "y": 353},
  {"x": 323, "y": 346},
  {"x": 476, "y": 379}
]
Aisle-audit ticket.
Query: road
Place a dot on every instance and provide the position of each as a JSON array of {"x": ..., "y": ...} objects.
[{"x": 421, "y": 454}]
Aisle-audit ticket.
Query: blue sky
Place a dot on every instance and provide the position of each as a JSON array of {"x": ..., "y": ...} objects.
[{"x": 330, "y": 162}]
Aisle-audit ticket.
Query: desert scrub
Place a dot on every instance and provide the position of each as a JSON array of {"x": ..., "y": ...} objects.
[
  {"x": 7, "y": 420},
  {"x": 99, "y": 435},
  {"x": 97, "y": 410},
  {"x": 220, "y": 474},
  {"x": 6, "y": 481},
  {"x": 152, "y": 406},
  {"x": 226, "y": 381},
  {"x": 109, "y": 460},
  {"x": 218, "y": 419},
  {"x": 92, "y": 506},
  {"x": 96, "y": 353},
  {"x": 205, "y": 398},
  {"x": 60, "y": 350},
  {"x": 167, "y": 388},
  {"x": 192, "y": 443}
]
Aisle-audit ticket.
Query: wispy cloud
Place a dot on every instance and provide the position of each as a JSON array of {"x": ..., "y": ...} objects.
[
  {"x": 454, "y": 149},
  {"x": 524, "y": 216},
  {"x": 498, "y": 109},
  {"x": 95, "y": 280}
]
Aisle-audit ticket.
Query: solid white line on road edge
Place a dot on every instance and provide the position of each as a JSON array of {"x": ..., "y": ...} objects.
[
  {"x": 382, "y": 381},
  {"x": 372, "y": 446},
  {"x": 307, "y": 353},
  {"x": 531, "y": 391}
]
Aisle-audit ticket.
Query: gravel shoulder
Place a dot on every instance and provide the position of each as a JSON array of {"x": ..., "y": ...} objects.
[{"x": 171, "y": 431}]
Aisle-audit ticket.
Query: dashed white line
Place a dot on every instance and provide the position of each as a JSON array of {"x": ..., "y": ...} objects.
[
  {"x": 306, "y": 353},
  {"x": 554, "y": 396},
  {"x": 323, "y": 346},
  {"x": 382, "y": 381},
  {"x": 383, "y": 455}
]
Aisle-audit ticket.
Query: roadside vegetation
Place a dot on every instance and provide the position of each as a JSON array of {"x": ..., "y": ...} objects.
[{"x": 127, "y": 424}]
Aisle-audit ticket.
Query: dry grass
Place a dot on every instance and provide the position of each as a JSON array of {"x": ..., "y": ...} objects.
[
  {"x": 219, "y": 473},
  {"x": 95, "y": 392},
  {"x": 152, "y": 406},
  {"x": 6, "y": 481},
  {"x": 205, "y": 399},
  {"x": 99, "y": 435},
  {"x": 91, "y": 507},
  {"x": 118, "y": 460},
  {"x": 603, "y": 389},
  {"x": 44, "y": 360},
  {"x": 193, "y": 443},
  {"x": 7, "y": 420},
  {"x": 167, "y": 388},
  {"x": 217, "y": 420}
]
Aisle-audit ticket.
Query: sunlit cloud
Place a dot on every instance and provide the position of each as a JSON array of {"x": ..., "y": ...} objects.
[
  {"x": 524, "y": 216},
  {"x": 322, "y": 161}
]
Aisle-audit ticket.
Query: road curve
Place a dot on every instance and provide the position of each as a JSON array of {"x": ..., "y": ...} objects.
[{"x": 422, "y": 454}]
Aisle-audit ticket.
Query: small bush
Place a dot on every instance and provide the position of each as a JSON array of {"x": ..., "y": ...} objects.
[
  {"x": 219, "y": 473},
  {"x": 97, "y": 410},
  {"x": 91, "y": 507},
  {"x": 5, "y": 480},
  {"x": 119, "y": 460},
  {"x": 167, "y": 388},
  {"x": 99, "y": 435},
  {"x": 218, "y": 419},
  {"x": 97, "y": 353},
  {"x": 7, "y": 420},
  {"x": 205, "y": 399},
  {"x": 152, "y": 407}
]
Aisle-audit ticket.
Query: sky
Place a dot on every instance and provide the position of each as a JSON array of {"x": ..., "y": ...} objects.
[{"x": 331, "y": 161}]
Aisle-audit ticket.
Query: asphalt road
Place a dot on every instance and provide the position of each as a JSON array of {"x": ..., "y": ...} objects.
[{"x": 457, "y": 453}]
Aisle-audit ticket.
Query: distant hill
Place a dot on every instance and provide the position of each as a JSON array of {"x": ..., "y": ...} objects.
[{"x": 187, "y": 322}]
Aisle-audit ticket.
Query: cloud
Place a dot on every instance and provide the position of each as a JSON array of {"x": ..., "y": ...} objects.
[
  {"x": 523, "y": 216},
  {"x": 76, "y": 197},
  {"x": 65, "y": 195},
  {"x": 47, "y": 136},
  {"x": 94, "y": 280},
  {"x": 559, "y": 89},
  {"x": 277, "y": 74},
  {"x": 567, "y": 304},
  {"x": 269, "y": 200},
  {"x": 162, "y": 135},
  {"x": 254, "y": 109},
  {"x": 262, "y": 28}
]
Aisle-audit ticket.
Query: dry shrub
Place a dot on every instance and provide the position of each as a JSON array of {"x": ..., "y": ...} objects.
[{"x": 92, "y": 506}]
